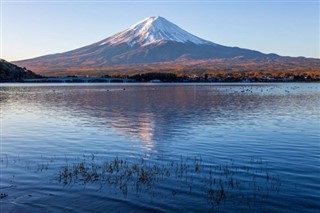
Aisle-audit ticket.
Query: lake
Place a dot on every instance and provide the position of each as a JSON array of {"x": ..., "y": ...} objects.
[{"x": 160, "y": 147}]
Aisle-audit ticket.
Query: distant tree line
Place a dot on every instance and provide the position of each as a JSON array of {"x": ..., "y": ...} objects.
[
  {"x": 259, "y": 76},
  {"x": 164, "y": 77},
  {"x": 266, "y": 76}
]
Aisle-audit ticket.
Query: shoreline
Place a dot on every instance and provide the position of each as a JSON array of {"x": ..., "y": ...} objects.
[{"x": 154, "y": 82}]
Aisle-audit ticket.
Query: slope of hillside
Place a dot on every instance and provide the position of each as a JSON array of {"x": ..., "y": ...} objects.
[{"x": 11, "y": 72}]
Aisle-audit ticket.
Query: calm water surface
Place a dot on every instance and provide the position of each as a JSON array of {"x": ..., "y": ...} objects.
[{"x": 198, "y": 148}]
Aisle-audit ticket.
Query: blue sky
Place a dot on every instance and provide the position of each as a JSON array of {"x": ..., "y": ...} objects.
[{"x": 35, "y": 28}]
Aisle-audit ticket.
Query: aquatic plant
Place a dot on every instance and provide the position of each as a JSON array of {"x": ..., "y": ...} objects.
[{"x": 227, "y": 182}]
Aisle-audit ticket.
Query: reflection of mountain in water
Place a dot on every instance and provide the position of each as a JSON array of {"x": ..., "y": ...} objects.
[
  {"x": 153, "y": 114},
  {"x": 143, "y": 128}
]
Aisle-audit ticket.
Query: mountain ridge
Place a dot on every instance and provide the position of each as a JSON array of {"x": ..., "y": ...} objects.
[{"x": 152, "y": 40}]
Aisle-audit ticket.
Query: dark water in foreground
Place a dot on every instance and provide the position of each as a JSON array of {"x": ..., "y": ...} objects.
[{"x": 160, "y": 148}]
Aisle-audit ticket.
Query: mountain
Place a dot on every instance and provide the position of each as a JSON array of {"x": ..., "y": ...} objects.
[
  {"x": 11, "y": 72},
  {"x": 152, "y": 41},
  {"x": 153, "y": 30}
]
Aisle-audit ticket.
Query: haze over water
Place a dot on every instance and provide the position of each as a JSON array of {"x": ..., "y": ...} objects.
[{"x": 273, "y": 130}]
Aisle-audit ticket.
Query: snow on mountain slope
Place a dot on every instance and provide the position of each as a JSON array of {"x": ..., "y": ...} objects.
[{"x": 153, "y": 30}]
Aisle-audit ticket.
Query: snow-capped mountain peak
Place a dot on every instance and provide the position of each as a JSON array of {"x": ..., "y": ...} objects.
[{"x": 153, "y": 30}]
